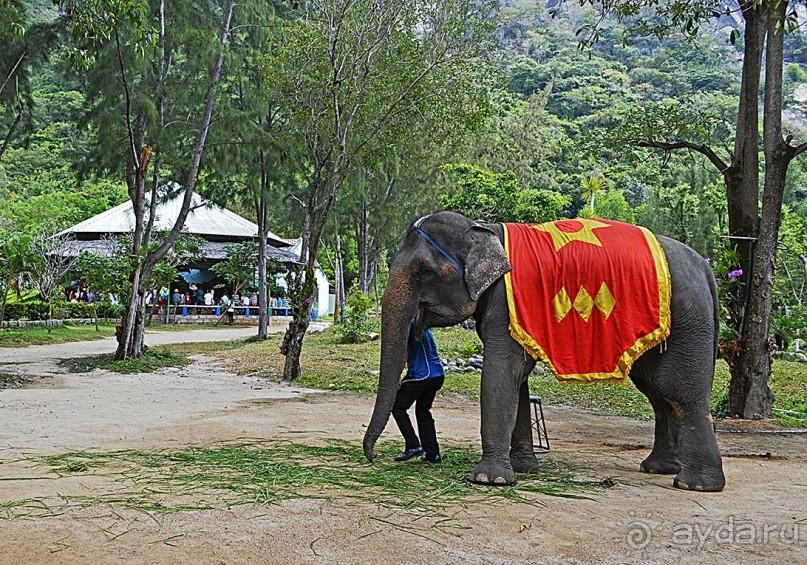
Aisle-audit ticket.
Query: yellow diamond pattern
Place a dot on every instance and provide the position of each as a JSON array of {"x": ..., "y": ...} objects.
[
  {"x": 604, "y": 301},
  {"x": 583, "y": 303},
  {"x": 561, "y": 304}
]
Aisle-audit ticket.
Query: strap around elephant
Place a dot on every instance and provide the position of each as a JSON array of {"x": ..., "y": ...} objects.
[{"x": 441, "y": 250}]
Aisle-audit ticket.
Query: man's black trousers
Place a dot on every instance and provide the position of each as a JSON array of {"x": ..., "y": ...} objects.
[{"x": 422, "y": 393}]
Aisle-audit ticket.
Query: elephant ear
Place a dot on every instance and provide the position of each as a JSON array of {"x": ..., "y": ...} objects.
[{"x": 486, "y": 261}]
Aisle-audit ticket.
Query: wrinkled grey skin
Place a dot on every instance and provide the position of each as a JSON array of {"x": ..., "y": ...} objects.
[{"x": 678, "y": 381}]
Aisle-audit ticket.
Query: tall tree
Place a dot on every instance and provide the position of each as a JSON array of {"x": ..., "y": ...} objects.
[
  {"x": 252, "y": 155},
  {"x": 22, "y": 45},
  {"x": 354, "y": 76},
  {"x": 146, "y": 58},
  {"x": 755, "y": 234}
]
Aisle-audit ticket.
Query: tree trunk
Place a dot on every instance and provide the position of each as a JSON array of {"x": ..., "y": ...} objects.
[
  {"x": 126, "y": 334},
  {"x": 294, "y": 344},
  {"x": 316, "y": 214},
  {"x": 363, "y": 248},
  {"x": 339, "y": 299},
  {"x": 742, "y": 187},
  {"x": 5, "y": 299},
  {"x": 263, "y": 228},
  {"x": 749, "y": 394}
]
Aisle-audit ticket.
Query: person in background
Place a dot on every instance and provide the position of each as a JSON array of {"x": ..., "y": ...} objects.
[
  {"x": 424, "y": 377},
  {"x": 226, "y": 306},
  {"x": 209, "y": 299},
  {"x": 175, "y": 298}
]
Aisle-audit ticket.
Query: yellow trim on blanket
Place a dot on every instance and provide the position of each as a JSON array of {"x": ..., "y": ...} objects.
[{"x": 628, "y": 357}]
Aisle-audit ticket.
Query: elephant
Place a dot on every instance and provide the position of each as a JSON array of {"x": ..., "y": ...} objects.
[{"x": 450, "y": 268}]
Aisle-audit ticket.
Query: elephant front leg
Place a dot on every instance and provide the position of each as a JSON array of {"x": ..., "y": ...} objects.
[
  {"x": 522, "y": 456},
  {"x": 499, "y": 402}
]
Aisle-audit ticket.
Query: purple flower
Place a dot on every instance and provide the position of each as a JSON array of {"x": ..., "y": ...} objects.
[
  {"x": 735, "y": 273},
  {"x": 308, "y": 300}
]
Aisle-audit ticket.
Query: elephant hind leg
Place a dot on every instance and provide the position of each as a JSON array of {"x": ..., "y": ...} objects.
[
  {"x": 665, "y": 458},
  {"x": 680, "y": 381}
]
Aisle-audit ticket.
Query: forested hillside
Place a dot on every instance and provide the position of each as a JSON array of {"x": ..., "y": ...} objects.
[{"x": 557, "y": 121}]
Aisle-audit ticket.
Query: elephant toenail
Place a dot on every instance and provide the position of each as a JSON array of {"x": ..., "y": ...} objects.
[
  {"x": 500, "y": 481},
  {"x": 482, "y": 478}
]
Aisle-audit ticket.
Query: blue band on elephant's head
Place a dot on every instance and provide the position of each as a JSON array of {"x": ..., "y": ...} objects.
[{"x": 441, "y": 250}]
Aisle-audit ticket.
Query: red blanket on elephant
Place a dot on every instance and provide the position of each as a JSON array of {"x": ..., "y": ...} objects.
[{"x": 587, "y": 297}]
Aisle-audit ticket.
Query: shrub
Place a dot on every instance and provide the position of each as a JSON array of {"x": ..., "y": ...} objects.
[
  {"x": 356, "y": 323},
  {"x": 39, "y": 310},
  {"x": 34, "y": 310}
]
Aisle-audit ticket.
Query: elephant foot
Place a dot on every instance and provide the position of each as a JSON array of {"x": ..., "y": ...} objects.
[
  {"x": 660, "y": 465},
  {"x": 700, "y": 480},
  {"x": 524, "y": 463},
  {"x": 492, "y": 473}
]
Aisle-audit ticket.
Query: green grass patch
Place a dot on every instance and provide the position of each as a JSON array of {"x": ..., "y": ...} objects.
[
  {"x": 39, "y": 335},
  {"x": 150, "y": 360},
  {"x": 271, "y": 471},
  {"x": 330, "y": 365}
]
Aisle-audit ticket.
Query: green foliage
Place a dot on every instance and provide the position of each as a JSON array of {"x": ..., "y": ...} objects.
[
  {"x": 107, "y": 272},
  {"x": 39, "y": 310},
  {"x": 790, "y": 285},
  {"x": 239, "y": 267},
  {"x": 612, "y": 205},
  {"x": 497, "y": 197},
  {"x": 675, "y": 210},
  {"x": 355, "y": 325},
  {"x": 34, "y": 310},
  {"x": 729, "y": 277},
  {"x": 795, "y": 73}
]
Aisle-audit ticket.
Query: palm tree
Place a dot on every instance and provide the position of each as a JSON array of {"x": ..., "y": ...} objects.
[{"x": 592, "y": 186}]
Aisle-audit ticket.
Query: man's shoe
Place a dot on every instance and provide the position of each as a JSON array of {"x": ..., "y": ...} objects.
[
  {"x": 433, "y": 458},
  {"x": 409, "y": 454}
]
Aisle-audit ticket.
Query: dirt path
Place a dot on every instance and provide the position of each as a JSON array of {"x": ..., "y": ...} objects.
[
  {"x": 37, "y": 354},
  {"x": 641, "y": 519}
]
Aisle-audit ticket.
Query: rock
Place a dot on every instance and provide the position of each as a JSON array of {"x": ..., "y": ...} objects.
[
  {"x": 371, "y": 373},
  {"x": 373, "y": 337},
  {"x": 471, "y": 369}
]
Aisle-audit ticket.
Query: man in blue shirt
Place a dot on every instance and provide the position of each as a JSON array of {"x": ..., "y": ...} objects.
[{"x": 424, "y": 377}]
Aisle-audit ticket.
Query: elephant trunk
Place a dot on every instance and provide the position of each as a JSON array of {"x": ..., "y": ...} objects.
[{"x": 398, "y": 309}]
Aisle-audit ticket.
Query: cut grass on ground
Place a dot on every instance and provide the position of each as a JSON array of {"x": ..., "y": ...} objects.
[
  {"x": 7, "y": 380},
  {"x": 271, "y": 471},
  {"x": 38, "y": 335},
  {"x": 331, "y": 365},
  {"x": 151, "y": 360}
]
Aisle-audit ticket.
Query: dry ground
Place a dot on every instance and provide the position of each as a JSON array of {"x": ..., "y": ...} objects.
[{"x": 640, "y": 519}]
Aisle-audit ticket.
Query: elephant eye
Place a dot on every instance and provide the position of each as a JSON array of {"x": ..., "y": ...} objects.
[{"x": 423, "y": 272}]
